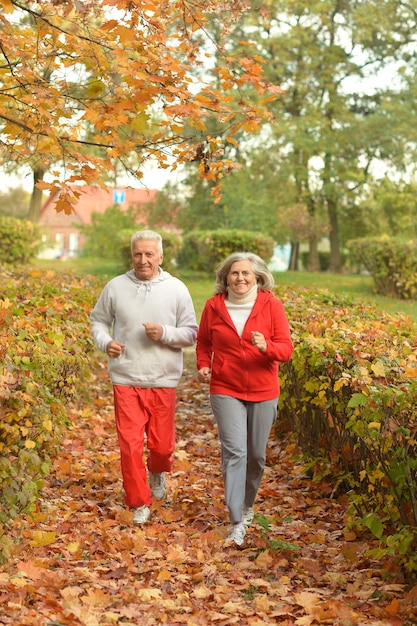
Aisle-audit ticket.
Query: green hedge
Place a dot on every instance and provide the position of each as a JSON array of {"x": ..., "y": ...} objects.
[
  {"x": 21, "y": 241},
  {"x": 203, "y": 250},
  {"x": 391, "y": 262},
  {"x": 350, "y": 395}
]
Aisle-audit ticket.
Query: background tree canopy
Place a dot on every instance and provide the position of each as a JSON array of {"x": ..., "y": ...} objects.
[{"x": 347, "y": 114}]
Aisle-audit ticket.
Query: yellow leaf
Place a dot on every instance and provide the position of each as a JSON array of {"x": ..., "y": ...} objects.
[
  {"x": 263, "y": 603},
  {"x": 41, "y": 539},
  {"x": 306, "y": 599},
  {"x": 182, "y": 455},
  {"x": 378, "y": 368},
  {"x": 232, "y": 141},
  {"x": 140, "y": 123},
  {"x": 19, "y": 582},
  {"x": 148, "y": 594},
  {"x": 95, "y": 598},
  {"x": 73, "y": 547},
  {"x": 7, "y": 6},
  {"x": 202, "y": 592},
  {"x": 95, "y": 88},
  {"x": 5, "y": 304},
  {"x": 374, "y": 425},
  {"x": 340, "y": 383},
  {"x": 29, "y": 444},
  {"x": 231, "y": 608},
  {"x": 264, "y": 559},
  {"x": 47, "y": 424}
]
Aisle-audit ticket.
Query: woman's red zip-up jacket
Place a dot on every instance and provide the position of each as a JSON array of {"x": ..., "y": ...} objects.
[{"x": 239, "y": 369}]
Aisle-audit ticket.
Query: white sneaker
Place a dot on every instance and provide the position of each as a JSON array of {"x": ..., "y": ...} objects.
[
  {"x": 141, "y": 514},
  {"x": 158, "y": 485},
  {"x": 247, "y": 515},
  {"x": 237, "y": 534}
]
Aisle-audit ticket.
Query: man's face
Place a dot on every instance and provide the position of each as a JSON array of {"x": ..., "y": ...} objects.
[{"x": 146, "y": 258}]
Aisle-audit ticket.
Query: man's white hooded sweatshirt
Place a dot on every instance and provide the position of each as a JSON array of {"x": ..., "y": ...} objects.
[{"x": 123, "y": 306}]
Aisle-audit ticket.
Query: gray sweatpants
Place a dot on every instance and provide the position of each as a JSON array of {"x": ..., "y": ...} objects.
[{"x": 243, "y": 429}]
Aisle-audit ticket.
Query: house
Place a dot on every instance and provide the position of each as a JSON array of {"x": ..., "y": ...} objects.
[{"x": 62, "y": 236}]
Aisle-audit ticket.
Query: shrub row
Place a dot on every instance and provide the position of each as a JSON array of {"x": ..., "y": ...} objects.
[
  {"x": 391, "y": 262},
  {"x": 45, "y": 350},
  {"x": 203, "y": 250},
  {"x": 350, "y": 395},
  {"x": 20, "y": 240}
]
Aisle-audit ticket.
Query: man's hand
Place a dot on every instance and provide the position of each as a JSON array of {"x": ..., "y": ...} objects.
[
  {"x": 114, "y": 349},
  {"x": 153, "y": 331}
]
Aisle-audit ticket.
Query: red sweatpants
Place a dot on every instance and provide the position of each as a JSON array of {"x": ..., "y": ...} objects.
[{"x": 140, "y": 412}]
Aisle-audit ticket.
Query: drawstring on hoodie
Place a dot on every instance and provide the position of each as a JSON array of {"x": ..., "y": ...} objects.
[{"x": 147, "y": 285}]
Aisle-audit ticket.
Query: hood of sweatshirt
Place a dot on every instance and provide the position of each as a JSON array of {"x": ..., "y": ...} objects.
[{"x": 147, "y": 285}]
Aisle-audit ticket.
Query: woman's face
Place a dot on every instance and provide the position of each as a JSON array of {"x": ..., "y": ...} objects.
[{"x": 241, "y": 277}]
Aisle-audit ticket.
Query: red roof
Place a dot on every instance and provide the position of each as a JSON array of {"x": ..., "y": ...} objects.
[{"x": 94, "y": 200}]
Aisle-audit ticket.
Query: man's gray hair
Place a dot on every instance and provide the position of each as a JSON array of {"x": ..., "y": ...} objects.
[
  {"x": 264, "y": 277},
  {"x": 147, "y": 235}
]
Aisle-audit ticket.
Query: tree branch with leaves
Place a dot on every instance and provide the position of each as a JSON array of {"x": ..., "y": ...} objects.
[{"x": 86, "y": 86}]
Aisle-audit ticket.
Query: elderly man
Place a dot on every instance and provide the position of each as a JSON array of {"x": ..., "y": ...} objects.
[{"x": 142, "y": 320}]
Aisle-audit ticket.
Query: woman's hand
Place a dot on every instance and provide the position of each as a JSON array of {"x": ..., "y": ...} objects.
[
  {"x": 204, "y": 375},
  {"x": 259, "y": 341}
]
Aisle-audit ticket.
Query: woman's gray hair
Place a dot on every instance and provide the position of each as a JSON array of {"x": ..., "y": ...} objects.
[
  {"x": 264, "y": 278},
  {"x": 147, "y": 235}
]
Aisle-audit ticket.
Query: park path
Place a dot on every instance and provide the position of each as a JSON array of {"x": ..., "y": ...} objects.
[{"x": 80, "y": 561}]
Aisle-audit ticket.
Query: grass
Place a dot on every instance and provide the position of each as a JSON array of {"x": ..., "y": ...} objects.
[
  {"x": 82, "y": 265},
  {"x": 354, "y": 285},
  {"x": 201, "y": 286}
]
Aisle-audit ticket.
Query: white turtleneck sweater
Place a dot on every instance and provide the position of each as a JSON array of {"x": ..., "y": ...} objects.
[{"x": 240, "y": 307}]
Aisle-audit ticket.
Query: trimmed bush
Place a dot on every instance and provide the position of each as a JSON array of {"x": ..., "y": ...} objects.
[
  {"x": 202, "y": 251},
  {"x": 46, "y": 356},
  {"x": 21, "y": 241},
  {"x": 391, "y": 262},
  {"x": 349, "y": 394}
]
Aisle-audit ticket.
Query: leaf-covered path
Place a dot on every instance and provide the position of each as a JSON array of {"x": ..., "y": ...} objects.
[{"x": 81, "y": 561}]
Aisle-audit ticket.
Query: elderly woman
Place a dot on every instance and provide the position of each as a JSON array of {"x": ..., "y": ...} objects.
[{"x": 243, "y": 335}]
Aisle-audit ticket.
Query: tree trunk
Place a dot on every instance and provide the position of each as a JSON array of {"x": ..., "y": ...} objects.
[
  {"x": 335, "y": 256},
  {"x": 313, "y": 263},
  {"x": 295, "y": 249},
  {"x": 36, "y": 197}
]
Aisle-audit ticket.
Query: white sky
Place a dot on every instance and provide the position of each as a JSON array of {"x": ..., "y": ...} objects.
[{"x": 154, "y": 178}]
